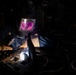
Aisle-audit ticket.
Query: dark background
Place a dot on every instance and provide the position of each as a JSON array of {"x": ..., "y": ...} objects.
[
  {"x": 51, "y": 14},
  {"x": 56, "y": 10},
  {"x": 56, "y": 19}
]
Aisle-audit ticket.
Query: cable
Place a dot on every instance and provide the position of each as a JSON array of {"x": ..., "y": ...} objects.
[
  {"x": 42, "y": 54},
  {"x": 72, "y": 64},
  {"x": 47, "y": 60},
  {"x": 50, "y": 71},
  {"x": 11, "y": 67},
  {"x": 39, "y": 53}
]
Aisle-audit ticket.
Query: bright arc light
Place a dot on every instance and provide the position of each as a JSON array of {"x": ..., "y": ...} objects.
[{"x": 22, "y": 56}]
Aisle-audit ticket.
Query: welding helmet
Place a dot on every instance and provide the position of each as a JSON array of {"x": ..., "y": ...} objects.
[{"x": 26, "y": 18}]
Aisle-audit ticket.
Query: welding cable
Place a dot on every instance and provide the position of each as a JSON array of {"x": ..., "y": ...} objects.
[
  {"x": 72, "y": 64},
  {"x": 40, "y": 53},
  {"x": 47, "y": 60},
  {"x": 11, "y": 67},
  {"x": 49, "y": 71}
]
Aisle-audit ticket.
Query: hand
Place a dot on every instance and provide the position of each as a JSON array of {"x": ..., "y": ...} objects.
[{"x": 5, "y": 48}]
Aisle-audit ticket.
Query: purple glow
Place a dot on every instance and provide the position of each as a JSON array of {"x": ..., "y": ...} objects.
[
  {"x": 29, "y": 26},
  {"x": 26, "y": 25},
  {"x": 22, "y": 26}
]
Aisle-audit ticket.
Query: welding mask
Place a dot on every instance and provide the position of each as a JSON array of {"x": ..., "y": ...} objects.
[{"x": 26, "y": 26}]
